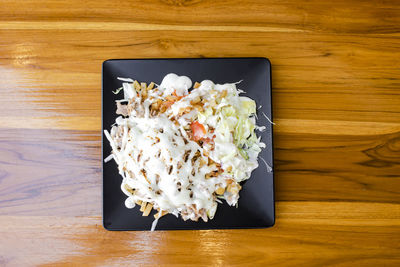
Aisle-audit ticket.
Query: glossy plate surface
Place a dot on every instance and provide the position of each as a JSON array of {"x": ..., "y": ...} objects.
[{"x": 256, "y": 202}]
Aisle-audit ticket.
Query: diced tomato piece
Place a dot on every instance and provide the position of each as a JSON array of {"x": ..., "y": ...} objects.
[{"x": 198, "y": 130}]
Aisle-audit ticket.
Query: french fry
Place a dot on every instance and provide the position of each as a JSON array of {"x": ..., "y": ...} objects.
[
  {"x": 143, "y": 90},
  {"x": 158, "y": 214},
  {"x": 151, "y": 86},
  {"x": 199, "y": 108},
  {"x": 224, "y": 93},
  {"x": 130, "y": 190},
  {"x": 233, "y": 188},
  {"x": 220, "y": 191},
  {"x": 184, "y": 110},
  {"x": 136, "y": 85},
  {"x": 148, "y": 209},
  {"x": 165, "y": 105},
  {"x": 156, "y": 105},
  {"x": 196, "y": 85},
  {"x": 169, "y": 98},
  {"x": 139, "y": 202},
  {"x": 202, "y": 162},
  {"x": 143, "y": 206},
  {"x": 195, "y": 100}
]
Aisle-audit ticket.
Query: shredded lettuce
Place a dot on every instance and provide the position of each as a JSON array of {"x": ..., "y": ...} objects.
[
  {"x": 248, "y": 106},
  {"x": 203, "y": 116},
  {"x": 211, "y": 211},
  {"x": 117, "y": 90},
  {"x": 236, "y": 143},
  {"x": 243, "y": 153},
  {"x": 228, "y": 111},
  {"x": 244, "y": 129}
]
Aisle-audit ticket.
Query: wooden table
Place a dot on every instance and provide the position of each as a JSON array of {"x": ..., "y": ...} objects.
[{"x": 336, "y": 81}]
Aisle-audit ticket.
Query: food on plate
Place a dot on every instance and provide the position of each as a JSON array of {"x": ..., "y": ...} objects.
[{"x": 181, "y": 150}]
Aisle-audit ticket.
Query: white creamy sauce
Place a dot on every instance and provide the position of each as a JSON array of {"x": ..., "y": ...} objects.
[
  {"x": 173, "y": 82},
  {"x": 130, "y": 203},
  {"x": 170, "y": 165}
]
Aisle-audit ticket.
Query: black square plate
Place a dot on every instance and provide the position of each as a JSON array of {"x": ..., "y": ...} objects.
[{"x": 256, "y": 202}]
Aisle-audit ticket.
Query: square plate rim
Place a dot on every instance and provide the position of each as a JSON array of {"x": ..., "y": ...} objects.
[{"x": 268, "y": 62}]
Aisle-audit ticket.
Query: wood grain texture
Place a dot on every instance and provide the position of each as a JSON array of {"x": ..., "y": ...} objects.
[{"x": 336, "y": 103}]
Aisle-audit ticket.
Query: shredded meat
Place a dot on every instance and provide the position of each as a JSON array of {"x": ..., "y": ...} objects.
[{"x": 122, "y": 109}]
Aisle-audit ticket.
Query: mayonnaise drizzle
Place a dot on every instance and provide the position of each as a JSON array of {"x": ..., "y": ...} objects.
[
  {"x": 156, "y": 147},
  {"x": 173, "y": 82}
]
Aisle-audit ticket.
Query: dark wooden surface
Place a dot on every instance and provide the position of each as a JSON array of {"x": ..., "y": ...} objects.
[{"x": 336, "y": 103}]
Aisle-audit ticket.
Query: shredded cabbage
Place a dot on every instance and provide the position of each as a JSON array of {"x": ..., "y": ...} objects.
[{"x": 236, "y": 143}]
